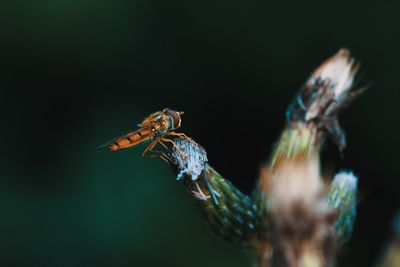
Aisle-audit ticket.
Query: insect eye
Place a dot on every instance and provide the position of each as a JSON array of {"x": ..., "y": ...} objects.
[{"x": 176, "y": 118}]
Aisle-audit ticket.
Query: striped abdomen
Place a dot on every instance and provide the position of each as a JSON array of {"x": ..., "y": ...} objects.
[{"x": 130, "y": 139}]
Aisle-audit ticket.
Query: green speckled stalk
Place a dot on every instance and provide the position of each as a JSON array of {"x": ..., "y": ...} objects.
[
  {"x": 342, "y": 196},
  {"x": 259, "y": 198},
  {"x": 232, "y": 216}
]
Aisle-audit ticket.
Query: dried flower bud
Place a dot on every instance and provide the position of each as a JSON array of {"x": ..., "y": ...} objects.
[
  {"x": 325, "y": 93},
  {"x": 189, "y": 158},
  {"x": 232, "y": 216}
]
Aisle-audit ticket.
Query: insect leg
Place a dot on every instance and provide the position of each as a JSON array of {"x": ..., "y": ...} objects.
[
  {"x": 173, "y": 143},
  {"x": 159, "y": 154},
  {"x": 165, "y": 158},
  {"x": 181, "y": 135},
  {"x": 149, "y": 148},
  {"x": 161, "y": 143}
]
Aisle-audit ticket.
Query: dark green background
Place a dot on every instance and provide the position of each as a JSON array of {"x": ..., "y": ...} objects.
[{"x": 75, "y": 73}]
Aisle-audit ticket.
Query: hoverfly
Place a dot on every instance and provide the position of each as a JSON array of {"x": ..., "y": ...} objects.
[{"x": 156, "y": 127}]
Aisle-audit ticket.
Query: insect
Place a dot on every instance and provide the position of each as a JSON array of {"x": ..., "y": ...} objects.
[{"x": 156, "y": 127}]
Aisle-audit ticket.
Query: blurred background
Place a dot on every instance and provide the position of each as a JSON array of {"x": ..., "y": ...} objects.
[{"x": 75, "y": 74}]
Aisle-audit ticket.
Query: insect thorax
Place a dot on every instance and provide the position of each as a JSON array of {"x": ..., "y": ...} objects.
[{"x": 161, "y": 125}]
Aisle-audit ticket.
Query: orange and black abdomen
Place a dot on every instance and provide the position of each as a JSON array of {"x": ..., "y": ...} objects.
[{"x": 130, "y": 139}]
